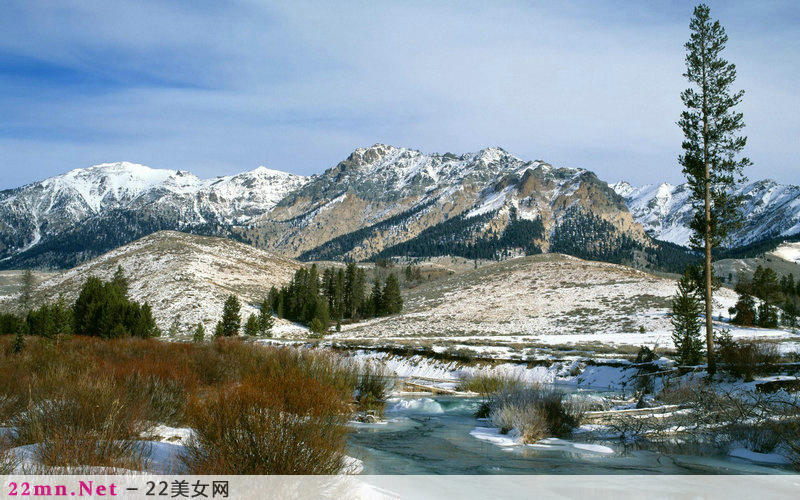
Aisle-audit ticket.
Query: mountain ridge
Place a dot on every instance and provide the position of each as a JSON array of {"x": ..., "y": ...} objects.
[
  {"x": 770, "y": 210},
  {"x": 380, "y": 200}
]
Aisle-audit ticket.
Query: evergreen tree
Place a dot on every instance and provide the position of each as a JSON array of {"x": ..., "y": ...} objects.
[
  {"x": 685, "y": 318},
  {"x": 744, "y": 311},
  {"x": 62, "y": 317},
  {"x": 231, "y": 319},
  {"x": 711, "y": 146},
  {"x": 199, "y": 334},
  {"x": 265, "y": 321},
  {"x": 393, "y": 302},
  {"x": 219, "y": 330},
  {"x": 19, "y": 339},
  {"x": 120, "y": 280},
  {"x": 376, "y": 304},
  {"x": 358, "y": 293},
  {"x": 317, "y": 328},
  {"x": 349, "y": 290},
  {"x": 26, "y": 293},
  {"x": 252, "y": 326},
  {"x": 767, "y": 315},
  {"x": 174, "y": 329}
]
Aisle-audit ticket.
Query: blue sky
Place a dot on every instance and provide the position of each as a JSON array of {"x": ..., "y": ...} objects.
[{"x": 222, "y": 87}]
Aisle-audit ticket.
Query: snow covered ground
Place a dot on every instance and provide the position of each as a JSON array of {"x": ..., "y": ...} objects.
[
  {"x": 543, "y": 300},
  {"x": 788, "y": 251}
]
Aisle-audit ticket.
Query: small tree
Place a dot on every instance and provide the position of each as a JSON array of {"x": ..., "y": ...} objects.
[
  {"x": 317, "y": 328},
  {"x": 120, "y": 280},
  {"x": 252, "y": 326},
  {"x": 392, "y": 301},
  {"x": 62, "y": 317},
  {"x": 26, "y": 293},
  {"x": 265, "y": 320},
  {"x": 376, "y": 303},
  {"x": 744, "y": 312},
  {"x": 231, "y": 319},
  {"x": 219, "y": 330},
  {"x": 199, "y": 334},
  {"x": 19, "y": 338},
  {"x": 767, "y": 315},
  {"x": 174, "y": 329},
  {"x": 685, "y": 318}
]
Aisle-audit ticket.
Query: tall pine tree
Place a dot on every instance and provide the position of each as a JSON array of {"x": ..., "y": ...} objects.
[{"x": 711, "y": 146}]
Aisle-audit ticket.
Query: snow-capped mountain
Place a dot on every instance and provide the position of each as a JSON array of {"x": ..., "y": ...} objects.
[
  {"x": 770, "y": 210},
  {"x": 384, "y": 196},
  {"x": 378, "y": 198},
  {"x": 91, "y": 210}
]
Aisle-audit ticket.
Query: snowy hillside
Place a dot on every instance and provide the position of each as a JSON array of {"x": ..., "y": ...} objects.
[
  {"x": 770, "y": 210},
  {"x": 185, "y": 278},
  {"x": 541, "y": 300},
  {"x": 789, "y": 252}
]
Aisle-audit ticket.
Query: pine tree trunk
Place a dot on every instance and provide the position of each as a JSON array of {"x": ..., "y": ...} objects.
[{"x": 712, "y": 364}]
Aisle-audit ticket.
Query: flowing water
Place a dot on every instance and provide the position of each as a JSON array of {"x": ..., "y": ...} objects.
[{"x": 431, "y": 435}]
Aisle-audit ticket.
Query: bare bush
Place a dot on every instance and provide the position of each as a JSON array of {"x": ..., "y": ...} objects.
[
  {"x": 536, "y": 412},
  {"x": 297, "y": 428},
  {"x": 89, "y": 402},
  {"x": 373, "y": 387},
  {"x": 745, "y": 358},
  {"x": 85, "y": 425}
]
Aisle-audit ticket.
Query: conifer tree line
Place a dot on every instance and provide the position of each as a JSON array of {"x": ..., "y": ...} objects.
[
  {"x": 102, "y": 309},
  {"x": 335, "y": 296},
  {"x": 780, "y": 300}
]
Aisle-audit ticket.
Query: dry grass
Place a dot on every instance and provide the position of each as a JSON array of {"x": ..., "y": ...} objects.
[
  {"x": 85, "y": 402},
  {"x": 535, "y": 412}
]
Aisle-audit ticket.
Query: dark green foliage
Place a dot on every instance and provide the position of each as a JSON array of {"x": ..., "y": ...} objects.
[
  {"x": 317, "y": 328},
  {"x": 98, "y": 235},
  {"x": 251, "y": 326},
  {"x": 588, "y": 236},
  {"x": 744, "y": 312},
  {"x": 790, "y": 312},
  {"x": 669, "y": 257},
  {"x": 686, "y": 320},
  {"x": 338, "y": 295},
  {"x": 231, "y": 320},
  {"x": 265, "y": 321},
  {"x": 767, "y": 315},
  {"x": 199, "y": 334},
  {"x": 392, "y": 301},
  {"x": 51, "y": 320},
  {"x": 376, "y": 306},
  {"x": 19, "y": 340},
  {"x": 9, "y": 323},
  {"x": 774, "y": 292},
  {"x": 120, "y": 280},
  {"x": 104, "y": 310},
  {"x": 463, "y": 236}
]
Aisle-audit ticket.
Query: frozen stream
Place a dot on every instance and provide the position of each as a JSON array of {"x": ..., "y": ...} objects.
[{"x": 431, "y": 435}]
